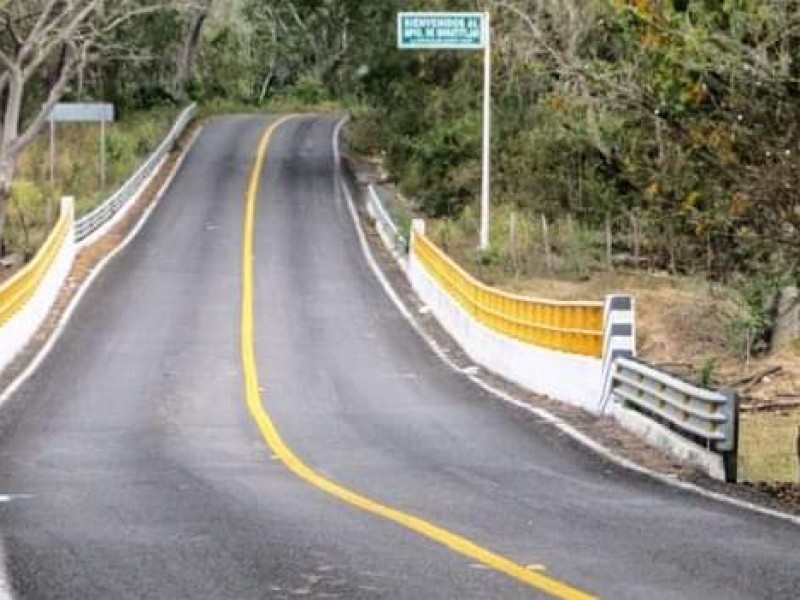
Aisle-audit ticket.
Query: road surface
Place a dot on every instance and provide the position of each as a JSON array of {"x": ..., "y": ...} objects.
[{"x": 133, "y": 468}]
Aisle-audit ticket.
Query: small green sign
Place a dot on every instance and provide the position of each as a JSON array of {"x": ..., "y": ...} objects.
[{"x": 442, "y": 31}]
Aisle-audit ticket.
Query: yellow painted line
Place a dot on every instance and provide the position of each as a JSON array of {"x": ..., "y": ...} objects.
[{"x": 269, "y": 431}]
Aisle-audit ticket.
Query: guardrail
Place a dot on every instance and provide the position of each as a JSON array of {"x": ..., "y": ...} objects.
[
  {"x": 392, "y": 237},
  {"x": 98, "y": 221},
  {"x": 698, "y": 425},
  {"x": 26, "y": 298},
  {"x": 17, "y": 291},
  {"x": 571, "y": 327}
]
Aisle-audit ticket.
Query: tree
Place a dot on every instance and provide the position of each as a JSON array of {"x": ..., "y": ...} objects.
[
  {"x": 198, "y": 13},
  {"x": 43, "y": 45}
]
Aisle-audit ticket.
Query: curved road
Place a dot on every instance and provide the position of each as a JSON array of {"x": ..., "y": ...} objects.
[{"x": 135, "y": 470}]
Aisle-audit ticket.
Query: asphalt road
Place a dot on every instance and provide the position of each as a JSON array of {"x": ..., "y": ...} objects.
[{"x": 135, "y": 469}]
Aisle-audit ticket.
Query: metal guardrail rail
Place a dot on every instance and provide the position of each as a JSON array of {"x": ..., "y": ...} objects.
[
  {"x": 398, "y": 241},
  {"x": 707, "y": 418},
  {"x": 93, "y": 221}
]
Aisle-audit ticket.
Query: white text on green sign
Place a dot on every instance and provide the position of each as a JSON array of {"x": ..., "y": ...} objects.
[{"x": 445, "y": 31}]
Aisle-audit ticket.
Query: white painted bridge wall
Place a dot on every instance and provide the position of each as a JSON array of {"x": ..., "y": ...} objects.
[
  {"x": 571, "y": 378},
  {"x": 20, "y": 329}
]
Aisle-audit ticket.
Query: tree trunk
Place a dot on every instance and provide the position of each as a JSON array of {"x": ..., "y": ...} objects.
[
  {"x": 6, "y": 177},
  {"x": 188, "y": 51},
  {"x": 548, "y": 256},
  {"x": 8, "y": 155}
]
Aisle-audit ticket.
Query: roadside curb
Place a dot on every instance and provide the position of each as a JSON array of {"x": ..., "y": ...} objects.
[
  {"x": 54, "y": 336},
  {"x": 586, "y": 441}
]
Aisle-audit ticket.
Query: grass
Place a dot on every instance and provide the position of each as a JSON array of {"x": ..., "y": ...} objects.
[
  {"x": 768, "y": 448},
  {"x": 34, "y": 205}
]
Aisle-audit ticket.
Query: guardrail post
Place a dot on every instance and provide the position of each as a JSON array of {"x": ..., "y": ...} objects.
[
  {"x": 619, "y": 340},
  {"x": 68, "y": 206},
  {"x": 417, "y": 226},
  {"x": 730, "y": 447}
]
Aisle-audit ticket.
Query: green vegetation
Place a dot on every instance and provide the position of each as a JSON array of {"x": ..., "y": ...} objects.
[
  {"x": 678, "y": 123},
  {"x": 654, "y": 135},
  {"x": 707, "y": 375}
]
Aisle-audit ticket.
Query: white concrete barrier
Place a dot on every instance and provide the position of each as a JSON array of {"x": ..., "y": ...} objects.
[
  {"x": 571, "y": 378},
  {"x": 31, "y": 314}
]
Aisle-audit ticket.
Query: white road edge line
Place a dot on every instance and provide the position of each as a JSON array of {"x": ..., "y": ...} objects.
[
  {"x": 6, "y": 588},
  {"x": 73, "y": 305},
  {"x": 543, "y": 414}
]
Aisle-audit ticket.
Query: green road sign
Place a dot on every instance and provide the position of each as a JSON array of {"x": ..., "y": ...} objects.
[{"x": 444, "y": 31}]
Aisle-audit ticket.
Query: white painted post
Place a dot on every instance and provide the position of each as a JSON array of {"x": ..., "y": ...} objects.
[
  {"x": 487, "y": 134},
  {"x": 68, "y": 205}
]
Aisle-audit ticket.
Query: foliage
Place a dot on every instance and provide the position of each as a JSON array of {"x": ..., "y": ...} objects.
[
  {"x": 681, "y": 115},
  {"x": 707, "y": 377},
  {"x": 33, "y": 206},
  {"x": 27, "y": 205},
  {"x": 749, "y": 332}
]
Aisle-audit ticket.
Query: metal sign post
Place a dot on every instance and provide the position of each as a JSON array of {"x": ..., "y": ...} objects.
[
  {"x": 458, "y": 31},
  {"x": 52, "y": 154},
  {"x": 74, "y": 112},
  {"x": 487, "y": 136}
]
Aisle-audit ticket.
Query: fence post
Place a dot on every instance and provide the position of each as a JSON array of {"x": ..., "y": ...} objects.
[
  {"x": 417, "y": 226},
  {"x": 68, "y": 206},
  {"x": 730, "y": 447}
]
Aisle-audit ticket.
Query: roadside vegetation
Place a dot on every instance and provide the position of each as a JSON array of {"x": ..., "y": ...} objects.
[{"x": 34, "y": 203}]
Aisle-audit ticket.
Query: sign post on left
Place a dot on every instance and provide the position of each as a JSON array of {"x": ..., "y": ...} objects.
[{"x": 80, "y": 112}]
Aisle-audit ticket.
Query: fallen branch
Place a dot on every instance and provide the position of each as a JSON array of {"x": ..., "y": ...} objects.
[{"x": 751, "y": 381}]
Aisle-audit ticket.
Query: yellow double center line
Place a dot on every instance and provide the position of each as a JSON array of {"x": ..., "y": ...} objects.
[{"x": 269, "y": 431}]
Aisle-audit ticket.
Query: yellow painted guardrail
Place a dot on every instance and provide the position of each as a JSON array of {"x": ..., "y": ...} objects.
[
  {"x": 572, "y": 327},
  {"x": 17, "y": 291}
]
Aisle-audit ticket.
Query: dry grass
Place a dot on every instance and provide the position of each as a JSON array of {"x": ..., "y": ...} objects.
[{"x": 768, "y": 447}]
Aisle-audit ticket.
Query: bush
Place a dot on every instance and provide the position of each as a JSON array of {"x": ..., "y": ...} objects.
[{"x": 27, "y": 208}]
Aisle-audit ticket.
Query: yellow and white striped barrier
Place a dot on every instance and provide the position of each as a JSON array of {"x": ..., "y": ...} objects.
[
  {"x": 27, "y": 297},
  {"x": 550, "y": 347},
  {"x": 572, "y": 327}
]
